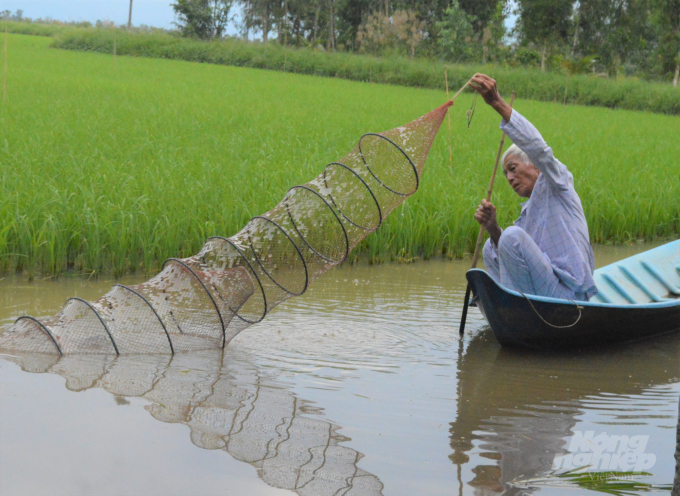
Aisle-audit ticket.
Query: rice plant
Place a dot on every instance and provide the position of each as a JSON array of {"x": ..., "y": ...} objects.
[
  {"x": 115, "y": 168},
  {"x": 627, "y": 93}
]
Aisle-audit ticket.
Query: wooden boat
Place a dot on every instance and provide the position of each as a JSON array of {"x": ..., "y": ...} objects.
[{"x": 639, "y": 297}]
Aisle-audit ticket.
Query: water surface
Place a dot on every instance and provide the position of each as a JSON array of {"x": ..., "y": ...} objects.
[{"x": 359, "y": 387}]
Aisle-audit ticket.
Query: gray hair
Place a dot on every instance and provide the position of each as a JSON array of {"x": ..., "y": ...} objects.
[{"x": 515, "y": 151}]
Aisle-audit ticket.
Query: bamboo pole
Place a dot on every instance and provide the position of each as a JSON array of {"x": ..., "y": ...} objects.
[
  {"x": 448, "y": 116},
  {"x": 460, "y": 90},
  {"x": 480, "y": 236},
  {"x": 4, "y": 74}
]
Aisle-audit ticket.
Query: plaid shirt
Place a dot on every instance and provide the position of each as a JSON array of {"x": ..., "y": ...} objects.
[{"x": 553, "y": 216}]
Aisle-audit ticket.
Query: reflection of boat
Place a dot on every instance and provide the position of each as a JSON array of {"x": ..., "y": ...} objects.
[
  {"x": 639, "y": 297},
  {"x": 516, "y": 410},
  {"x": 228, "y": 404}
]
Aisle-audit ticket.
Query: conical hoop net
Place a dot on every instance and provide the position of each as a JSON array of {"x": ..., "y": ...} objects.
[{"x": 202, "y": 302}]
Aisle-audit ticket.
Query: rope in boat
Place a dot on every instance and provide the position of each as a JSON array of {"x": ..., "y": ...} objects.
[{"x": 579, "y": 307}]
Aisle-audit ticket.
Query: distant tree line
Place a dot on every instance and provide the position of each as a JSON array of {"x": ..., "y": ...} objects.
[{"x": 606, "y": 37}]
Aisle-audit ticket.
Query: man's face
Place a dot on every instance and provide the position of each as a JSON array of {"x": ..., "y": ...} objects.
[{"x": 521, "y": 176}]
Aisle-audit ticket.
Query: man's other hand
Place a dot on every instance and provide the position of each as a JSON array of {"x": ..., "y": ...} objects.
[{"x": 486, "y": 216}]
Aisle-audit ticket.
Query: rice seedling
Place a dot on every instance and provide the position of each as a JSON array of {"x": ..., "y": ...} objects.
[
  {"x": 627, "y": 93},
  {"x": 114, "y": 169}
]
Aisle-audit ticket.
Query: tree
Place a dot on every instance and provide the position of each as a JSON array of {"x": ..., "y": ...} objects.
[
  {"x": 429, "y": 11},
  {"x": 351, "y": 14},
  {"x": 203, "y": 19},
  {"x": 455, "y": 33},
  {"x": 544, "y": 23},
  {"x": 381, "y": 33},
  {"x": 668, "y": 18},
  {"x": 408, "y": 29},
  {"x": 617, "y": 32},
  {"x": 482, "y": 11},
  {"x": 7, "y": 15},
  {"x": 247, "y": 19},
  {"x": 262, "y": 10},
  {"x": 257, "y": 14},
  {"x": 331, "y": 25},
  {"x": 299, "y": 20}
]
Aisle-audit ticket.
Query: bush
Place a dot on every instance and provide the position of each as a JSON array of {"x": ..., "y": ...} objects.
[
  {"x": 31, "y": 28},
  {"x": 529, "y": 83}
]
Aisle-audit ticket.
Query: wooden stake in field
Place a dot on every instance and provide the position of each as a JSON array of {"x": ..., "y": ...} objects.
[
  {"x": 4, "y": 74},
  {"x": 448, "y": 116},
  {"x": 480, "y": 236}
]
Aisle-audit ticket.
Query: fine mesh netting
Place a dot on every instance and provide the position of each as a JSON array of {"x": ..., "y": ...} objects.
[{"x": 202, "y": 302}]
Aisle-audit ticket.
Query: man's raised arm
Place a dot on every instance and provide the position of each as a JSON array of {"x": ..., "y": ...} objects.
[{"x": 524, "y": 134}]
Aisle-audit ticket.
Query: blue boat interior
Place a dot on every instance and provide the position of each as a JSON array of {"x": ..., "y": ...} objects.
[{"x": 649, "y": 277}]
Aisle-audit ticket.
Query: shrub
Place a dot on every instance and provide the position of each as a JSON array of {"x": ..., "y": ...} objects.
[{"x": 529, "y": 83}]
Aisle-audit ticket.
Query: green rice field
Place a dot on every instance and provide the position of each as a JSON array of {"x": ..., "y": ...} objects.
[{"x": 114, "y": 165}]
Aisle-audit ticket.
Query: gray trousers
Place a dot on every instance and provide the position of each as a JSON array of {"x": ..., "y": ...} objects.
[{"x": 519, "y": 264}]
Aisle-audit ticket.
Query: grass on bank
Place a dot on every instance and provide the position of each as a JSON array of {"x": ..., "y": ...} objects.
[
  {"x": 115, "y": 167},
  {"x": 32, "y": 28},
  {"x": 629, "y": 93}
]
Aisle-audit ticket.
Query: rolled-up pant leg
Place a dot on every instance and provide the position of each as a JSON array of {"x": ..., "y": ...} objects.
[{"x": 525, "y": 268}]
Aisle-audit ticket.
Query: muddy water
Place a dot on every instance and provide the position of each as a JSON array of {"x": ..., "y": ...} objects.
[{"x": 359, "y": 387}]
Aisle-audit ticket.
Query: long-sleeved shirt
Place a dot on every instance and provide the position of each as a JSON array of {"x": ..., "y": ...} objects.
[{"x": 553, "y": 216}]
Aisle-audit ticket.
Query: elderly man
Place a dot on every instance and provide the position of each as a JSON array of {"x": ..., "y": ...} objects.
[{"x": 547, "y": 252}]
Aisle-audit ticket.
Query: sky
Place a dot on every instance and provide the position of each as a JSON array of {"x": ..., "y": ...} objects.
[{"x": 157, "y": 13}]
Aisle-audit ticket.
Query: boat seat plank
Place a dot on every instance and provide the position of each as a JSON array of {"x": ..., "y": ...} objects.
[
  {"x": 619, "y": 288},
  {"x": 601, "y": 297},
  {"x": 649, "y": 277},
  {"x": 641, "y": 285},
  {"x": 654, "y": 271}
]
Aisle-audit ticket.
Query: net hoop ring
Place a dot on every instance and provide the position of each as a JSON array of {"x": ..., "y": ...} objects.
[
  {"x": 106, "y": 328},
  {"x": 257, "y": 278},
  {"x": 344, "y": 231},
  {"x": 259, "y": 262},
  {"x": 377, "y": 205},
  {"x": 415, "y": 169},
  {"x": 44, "y": 328},
  {"x": 207, "y": 291},
  {"x": 136, "y": 293}
]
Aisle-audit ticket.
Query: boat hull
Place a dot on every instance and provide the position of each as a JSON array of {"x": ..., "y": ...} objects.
[{"x": 540, "y": 322}]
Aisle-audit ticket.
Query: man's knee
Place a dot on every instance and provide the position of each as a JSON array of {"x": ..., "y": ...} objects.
[
  {"x": 511, "y": 239},
  {"x": 487, "y": 251}
]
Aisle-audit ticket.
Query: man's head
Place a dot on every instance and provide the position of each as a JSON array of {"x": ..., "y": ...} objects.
[{"x": 519, "y": 171}]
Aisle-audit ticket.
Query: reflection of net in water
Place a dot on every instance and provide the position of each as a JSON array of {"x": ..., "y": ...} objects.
[
  {"x": 228, "y": 404},
  {"x": 202, "y": 302}
]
